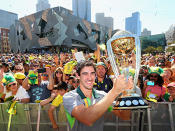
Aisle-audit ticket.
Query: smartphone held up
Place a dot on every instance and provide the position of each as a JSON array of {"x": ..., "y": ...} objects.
[{"x": 41, "y": 70}]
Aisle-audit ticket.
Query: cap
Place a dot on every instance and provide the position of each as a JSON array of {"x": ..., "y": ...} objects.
[
  {"x": 19, "y": 75},
  {"x": 8, "y": 78},
  {"x": 172, "y": 84},
  {"x": 102, "y": 64},
  {"x": 156, "y": 70}
]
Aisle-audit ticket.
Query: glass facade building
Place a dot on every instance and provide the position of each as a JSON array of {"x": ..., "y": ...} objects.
[
  {"x": 82, "y": 9},
  {"x": 7, "y": 19},
  {"x": 133, "y": 24}
]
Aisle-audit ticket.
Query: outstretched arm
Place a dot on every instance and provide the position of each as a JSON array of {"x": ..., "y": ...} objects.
[
  {"x": 89, "y": 115},
  {"x": 51, "y": 81},
  {"x": 48, "y": 100}
]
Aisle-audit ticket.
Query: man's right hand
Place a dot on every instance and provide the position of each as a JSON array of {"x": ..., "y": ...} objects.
[{"x": 121, "y": 84}]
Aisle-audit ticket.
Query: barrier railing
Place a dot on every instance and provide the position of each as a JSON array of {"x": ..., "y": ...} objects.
[{"x": 32, "y": 117}]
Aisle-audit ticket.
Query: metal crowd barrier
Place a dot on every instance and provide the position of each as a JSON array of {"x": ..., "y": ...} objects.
[{"x": 160, "y": 117}]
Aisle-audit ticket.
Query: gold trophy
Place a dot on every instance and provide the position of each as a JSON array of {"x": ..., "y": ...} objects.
[{"x": 124, "y": 54}]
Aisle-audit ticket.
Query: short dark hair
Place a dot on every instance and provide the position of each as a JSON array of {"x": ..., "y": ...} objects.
[
  {"x": 82, "y": 64},
  {"x": 71, "y": 77},
  {"x": 60, "y": 86}
]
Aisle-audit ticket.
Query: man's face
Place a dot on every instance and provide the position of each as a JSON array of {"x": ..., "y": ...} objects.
[
  {"x": 171, "y": 90},
  {"x": 19, "y": 81},
  {"x": 34, "y": 66},
  {"x": 101, "y": 71},
  {"x": 5, "y": 69},
  {"x": 26, "y": 67},
  {"x": 70, "y": 81},
  {"x": 167, "y": 74},
  {"x": 19, "y": 68},
  {"x": 151, "y": 62},
  {"x": 87, "y": 77}
]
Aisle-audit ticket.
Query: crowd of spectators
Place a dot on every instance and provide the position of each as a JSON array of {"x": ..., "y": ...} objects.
[{"x": 44, "y": 78}]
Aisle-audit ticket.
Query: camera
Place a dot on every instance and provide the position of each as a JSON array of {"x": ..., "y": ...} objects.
[
  {"x": 150, "y": 83},
  {"x": 41, "y": 70}
]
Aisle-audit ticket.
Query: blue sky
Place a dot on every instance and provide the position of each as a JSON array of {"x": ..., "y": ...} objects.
[{"x": 155, "y": 15}]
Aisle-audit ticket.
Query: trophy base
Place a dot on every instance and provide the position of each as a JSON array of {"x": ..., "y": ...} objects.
[{"x": 131, "y": 102}]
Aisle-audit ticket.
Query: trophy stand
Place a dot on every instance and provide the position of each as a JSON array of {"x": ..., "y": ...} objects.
[{"x": 121, "y": 48}]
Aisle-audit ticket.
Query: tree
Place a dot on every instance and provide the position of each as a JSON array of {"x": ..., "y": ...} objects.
[
  {"x": 159, "y": 49},
  {"x": 170, "y": 49},
  {"x": 149, "y": 49}
]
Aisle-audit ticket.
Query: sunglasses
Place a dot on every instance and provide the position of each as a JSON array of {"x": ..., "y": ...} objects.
[
  {"x": 35, "y": 65},
  {"x": 14, "y": 84},
  {"x": 19, "y": 79},
  {"x": 44, "y": 75},
  {"x": 154, "y": 76},
  {"x": 18, "y": 69}
]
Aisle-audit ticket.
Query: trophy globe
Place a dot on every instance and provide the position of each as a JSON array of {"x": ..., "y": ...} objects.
[{"x": 124, "y": 54}]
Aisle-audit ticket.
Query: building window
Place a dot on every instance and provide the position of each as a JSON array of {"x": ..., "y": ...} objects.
[
  {"x": 96, "y": 32},
  {"x": 81, "y": 31}
]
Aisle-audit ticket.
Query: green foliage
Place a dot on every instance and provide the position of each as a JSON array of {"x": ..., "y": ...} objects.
[
  {"x": 159, "y": 49},
  {"x": 170, "y": 49},
  {"x": 149, "y": 49},
  {"x": 153, "y": 43},
  {"x": 152, "y": 49}
]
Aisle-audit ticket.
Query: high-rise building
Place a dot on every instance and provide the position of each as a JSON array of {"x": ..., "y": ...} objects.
[
  {"x": 82, "y": 9},
  {"x": 145, "y": 32},
  {"x": 42, "y": 5},
  {"x": 7, "y": 19},
  {"x": 105, "y": 21},
  {"x": 4, "y": 40},
  {"x": 133, "y": 24}
]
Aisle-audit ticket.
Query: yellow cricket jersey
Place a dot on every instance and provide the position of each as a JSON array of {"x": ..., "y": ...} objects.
[{"x": 57, "y": 101}]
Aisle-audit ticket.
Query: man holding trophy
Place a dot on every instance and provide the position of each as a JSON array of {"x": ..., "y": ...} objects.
[{"x": 85, "y": 106}]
